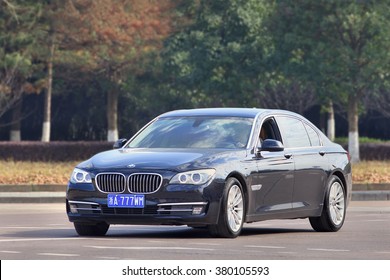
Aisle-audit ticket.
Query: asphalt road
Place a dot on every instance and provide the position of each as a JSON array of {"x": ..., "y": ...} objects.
[{"x": 42, "y": 231}]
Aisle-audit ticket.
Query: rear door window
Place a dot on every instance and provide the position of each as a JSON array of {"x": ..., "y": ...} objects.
[{"x": 293, "y": 132}]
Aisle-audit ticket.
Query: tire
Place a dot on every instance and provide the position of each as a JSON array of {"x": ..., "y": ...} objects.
[
  {"x": 334, "y": 209},
  {"x": 99, "y": 229},
  {"x": 232, "y": 213}
]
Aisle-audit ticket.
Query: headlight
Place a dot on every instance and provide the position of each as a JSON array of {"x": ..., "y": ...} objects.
[
  {"x": 80, "y": 176},
  {"x": 196, "y": 177}
]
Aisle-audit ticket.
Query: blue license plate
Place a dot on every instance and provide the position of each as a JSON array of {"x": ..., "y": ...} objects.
[{"x": 126, "y": 200}]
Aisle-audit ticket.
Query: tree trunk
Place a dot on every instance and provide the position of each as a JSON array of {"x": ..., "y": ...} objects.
[
  {"x": 47, "y": 102},
  {"x": 353, "y": 129},
  {"x": 331, "y": 131},
  {"x": 15, "y": 134},
  {"x": 112, "y": 115}
]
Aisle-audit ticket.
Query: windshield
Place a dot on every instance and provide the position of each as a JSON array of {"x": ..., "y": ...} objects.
[{"x": 195, "y": 132}]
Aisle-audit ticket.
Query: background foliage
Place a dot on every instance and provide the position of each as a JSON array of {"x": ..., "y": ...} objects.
[{"x": 163, "y": 55}]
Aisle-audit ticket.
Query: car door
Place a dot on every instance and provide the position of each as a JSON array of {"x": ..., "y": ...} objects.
[
  {"x": 272, "y": 185},
  {"x": 304, "y": 145}
]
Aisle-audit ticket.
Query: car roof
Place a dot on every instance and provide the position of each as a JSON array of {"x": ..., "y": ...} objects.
[{"x": 222, "y": 112}]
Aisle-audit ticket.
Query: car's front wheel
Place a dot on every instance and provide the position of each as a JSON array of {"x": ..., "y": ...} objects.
[
  {"x": 231, "y": 218},
  {"x": 333, "y": 212},
  {"x": 99, "y": 229}
]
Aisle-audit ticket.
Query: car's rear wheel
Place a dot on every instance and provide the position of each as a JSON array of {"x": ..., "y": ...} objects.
[
  {"x": 333, "y": 212},
  {"x": 99, "y": 229},
  {"x": 231, "y": 218}
]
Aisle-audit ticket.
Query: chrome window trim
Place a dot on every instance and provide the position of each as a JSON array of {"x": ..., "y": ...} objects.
[{"x": 254, "y": 129}]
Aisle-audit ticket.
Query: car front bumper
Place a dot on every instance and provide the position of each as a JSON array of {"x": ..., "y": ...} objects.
[
  {"x": 195, "y": 213},
  {"x": 172, "y": 205}
]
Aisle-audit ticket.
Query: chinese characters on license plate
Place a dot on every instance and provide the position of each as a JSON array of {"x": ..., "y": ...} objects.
[{"x": 126, "y": 200}]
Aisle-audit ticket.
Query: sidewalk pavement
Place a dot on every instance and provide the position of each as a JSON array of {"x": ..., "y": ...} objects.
[{"x": 56, "y": 193}]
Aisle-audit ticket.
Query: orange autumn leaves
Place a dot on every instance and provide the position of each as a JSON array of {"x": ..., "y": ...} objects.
[{"x": 117, "y": 22}]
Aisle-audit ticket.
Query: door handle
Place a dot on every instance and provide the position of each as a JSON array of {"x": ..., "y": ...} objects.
[
  {"x": 322, "y": 153},
  {"x": 288, "y": 156}
]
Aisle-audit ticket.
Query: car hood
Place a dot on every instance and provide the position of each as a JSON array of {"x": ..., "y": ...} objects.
[{"x": 168, "y": 159}]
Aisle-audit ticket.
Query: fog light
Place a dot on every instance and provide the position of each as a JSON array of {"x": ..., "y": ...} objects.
[
  {"x": 196, "y": 210},
  {"x": 73, "y": 208}
]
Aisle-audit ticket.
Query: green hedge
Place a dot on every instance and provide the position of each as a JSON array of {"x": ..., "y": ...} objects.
[
  {"x": 78, "y": 151},
  {"x": 52, "y": 151},
  {"x": 375, "y": 151}
]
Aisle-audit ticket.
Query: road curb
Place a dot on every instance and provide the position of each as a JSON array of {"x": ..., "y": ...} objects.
[
  {"x": 33, "y": 188},
  {"x": 370, "y": 195},
  {"x": 32, "y": 199},
  {"x": 32, "y": 193}
]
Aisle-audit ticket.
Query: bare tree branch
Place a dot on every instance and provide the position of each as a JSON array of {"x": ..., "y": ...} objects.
[
  {"x": 12, "y": 8},
  {"x": 289, "y": 97}
]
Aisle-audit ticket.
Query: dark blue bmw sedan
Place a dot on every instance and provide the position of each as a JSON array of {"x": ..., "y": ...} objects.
[{"x": 215, "y": 168}]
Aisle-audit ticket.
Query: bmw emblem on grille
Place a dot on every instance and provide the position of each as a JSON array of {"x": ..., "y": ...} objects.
[{"x": 131, "y": 166}]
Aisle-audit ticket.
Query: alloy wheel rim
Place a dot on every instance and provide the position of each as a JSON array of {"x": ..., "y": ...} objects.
[
  {"x": 235, "y": 208},
  {"x": 336, "y": 203}
]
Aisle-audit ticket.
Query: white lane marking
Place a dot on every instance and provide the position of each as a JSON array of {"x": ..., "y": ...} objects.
[
  {"x": 27, "y": 227},
  {"x": 264, "y": 247},
  {"x": 108, "y": 258},
  {"x": 327, "y": 250},
  {"x": 129, "y": 230},
  {"x": 36, "y": 239},
  {"x": 258, "y": 225},
  {"x": 58, "y": 255},
  {"x": 10, "y": 252},
  {"x": 54, "y": 239},
  {"x": 150, "y": 248},
  {"x": 204, "y": 244},
  {"x": 366, "y": 215},
  {"x": 291, "y": 223}
]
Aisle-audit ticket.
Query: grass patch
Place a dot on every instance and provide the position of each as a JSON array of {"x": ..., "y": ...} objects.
[
  {"x": 373, "y": 172},
  {"x": 35, "y": 173},
  {"x": 41, "y": 173}
]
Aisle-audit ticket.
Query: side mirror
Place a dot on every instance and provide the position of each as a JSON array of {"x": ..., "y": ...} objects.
[
  {"x": 119, "y": 143},
  {"x": 270, "y": 145}
]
